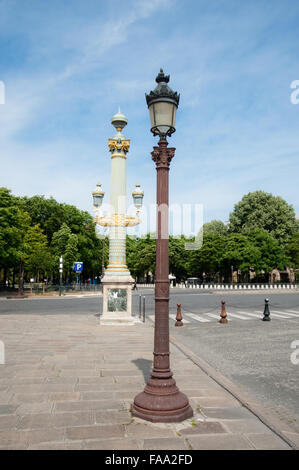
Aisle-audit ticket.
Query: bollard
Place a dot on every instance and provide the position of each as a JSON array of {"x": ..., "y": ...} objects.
[
  {"x": 179, "y": 317},
  {"x": 223, "y": 313},
  {"x": 143, "y": 305},
  {"x": 266, "y": 311}
]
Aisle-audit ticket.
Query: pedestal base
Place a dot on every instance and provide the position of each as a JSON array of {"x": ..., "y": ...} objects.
[
  {"x": 117, "y": 300},
  {"x": 162, "y": 402}
]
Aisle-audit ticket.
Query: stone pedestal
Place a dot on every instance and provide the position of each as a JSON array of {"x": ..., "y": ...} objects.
[{"x": 117, "y": 300}]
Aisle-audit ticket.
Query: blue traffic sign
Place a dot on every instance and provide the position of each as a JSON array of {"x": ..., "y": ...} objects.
[{"x": 78, "y": 267}]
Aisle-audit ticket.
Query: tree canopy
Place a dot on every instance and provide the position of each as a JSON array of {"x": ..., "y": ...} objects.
[
  {"x": 261, "y": 210},
  {"x": 262, "y": 234}
]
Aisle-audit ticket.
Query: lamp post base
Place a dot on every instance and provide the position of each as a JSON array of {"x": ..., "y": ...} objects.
[{"x": 162, "y": 402}]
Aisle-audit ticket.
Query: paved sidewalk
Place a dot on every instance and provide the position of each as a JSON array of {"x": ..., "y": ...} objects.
[{"x": 68, "y": 383}]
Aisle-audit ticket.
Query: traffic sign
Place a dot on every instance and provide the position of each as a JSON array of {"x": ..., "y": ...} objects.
[{"x": 78, "y": 267}]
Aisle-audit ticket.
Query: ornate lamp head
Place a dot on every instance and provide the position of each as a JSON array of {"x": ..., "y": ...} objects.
[
  {"x": 98, "y": 196},
  {"x": 138, "y": 195},
  {"x": 162, "y": 104}
]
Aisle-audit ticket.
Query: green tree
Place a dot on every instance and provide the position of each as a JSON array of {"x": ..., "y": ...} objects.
[
  {"x": 260, "y": 210},
  {"x": 65, "y": 244},
  {"x": 215, "y": 226},
  {"x": 292, "y": 251},
  {"x": 208, "y": 259},
  {"x": 14, "y": 223},
  {"x": 37, "y": 257},
  {"x": 141, "y": 255},
  {"x": 271, "y": 255},
  {"x": 48, "y": 213},
  {"x": 179, "y": 258},
  {"x": 240, "y": 253}
]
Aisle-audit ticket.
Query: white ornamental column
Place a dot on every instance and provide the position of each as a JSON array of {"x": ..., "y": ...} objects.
[
  {"x": 119, "y": 147},
  {"x": 117, "y": 281}
]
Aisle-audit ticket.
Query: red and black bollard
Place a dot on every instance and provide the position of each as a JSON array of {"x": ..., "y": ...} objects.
[
  {"x": 223, "y": 313},
  {"x": 179, "y": 317}
]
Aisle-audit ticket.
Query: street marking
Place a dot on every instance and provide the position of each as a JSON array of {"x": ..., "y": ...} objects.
[
  {"x": 276, "y": 315},
  {"x": 240, "y": 315},
  {"x": 212, "y": 315},
  {"x": 198, "y": 318},
  {"x": 255, "y": 315},
  {"x": 294, "y": 311},
  {"x": 285, "y": 313},
  {"x": 234, "y": 315},
  {"x": 174, "y": 318}
]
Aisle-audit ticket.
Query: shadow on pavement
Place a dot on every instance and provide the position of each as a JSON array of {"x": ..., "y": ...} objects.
[{"x": 145, "y": 365}]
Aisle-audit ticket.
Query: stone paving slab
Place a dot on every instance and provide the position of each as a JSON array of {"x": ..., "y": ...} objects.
[
  {"x": 266, "y": 441},
  {"x": 223, "y": 442},
  {"x": 112, "y": 444},
  {"x": 166, "y": 443},
  {"x": 69, "y": 384}
]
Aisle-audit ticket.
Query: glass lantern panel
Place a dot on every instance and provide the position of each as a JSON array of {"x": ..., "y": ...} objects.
[
  {"x": 152, "y": 115},
  {"x": 163, "y": 115},
  {"x": 97, "y": 200},
  {"x": 138, "y": 200},
  {"x": 174, "y": 115}
]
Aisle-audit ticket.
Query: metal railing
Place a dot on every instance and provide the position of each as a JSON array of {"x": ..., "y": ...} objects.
[
  {"x": 227, "y": 286},
  {"x": 240, "y": 286},
  {"x": 43, "y": 289}
]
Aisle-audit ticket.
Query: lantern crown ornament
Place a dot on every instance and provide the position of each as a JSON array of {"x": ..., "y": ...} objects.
[
  {"x": 162, "y": 103},
  {"x": 119, "y": 121},
  {"x": 119, "y": 145}
]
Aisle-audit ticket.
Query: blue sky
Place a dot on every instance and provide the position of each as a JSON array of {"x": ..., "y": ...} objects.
[{"x": 68, "y": 64}]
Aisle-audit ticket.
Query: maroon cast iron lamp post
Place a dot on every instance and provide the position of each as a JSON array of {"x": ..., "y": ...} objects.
[{"x": 161, "y": 400}]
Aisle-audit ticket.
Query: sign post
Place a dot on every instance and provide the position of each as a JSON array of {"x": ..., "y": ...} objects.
[
  {"x": 78, "y": 268},
  {"x": 60, "y": 273}
]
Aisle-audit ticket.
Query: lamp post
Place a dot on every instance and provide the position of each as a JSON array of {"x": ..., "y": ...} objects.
[
  {"x": 117, "y": 281},
  {"x": 60, "y": 274},
  {"x": 161, "y": 400}
]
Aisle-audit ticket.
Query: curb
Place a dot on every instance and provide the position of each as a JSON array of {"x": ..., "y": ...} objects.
[
  {"x": 47, "y": 297},
  {"x": 230, "y": 387}
]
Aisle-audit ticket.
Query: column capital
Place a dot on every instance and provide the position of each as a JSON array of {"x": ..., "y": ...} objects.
[{"x": 162, "y": 155}]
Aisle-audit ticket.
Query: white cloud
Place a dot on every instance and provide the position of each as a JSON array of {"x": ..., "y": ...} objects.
[{"x": 234, "y": 129}]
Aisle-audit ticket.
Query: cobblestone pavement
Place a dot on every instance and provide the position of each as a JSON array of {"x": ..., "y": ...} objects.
[{"x": 68, "y": 383}]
